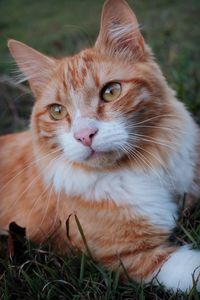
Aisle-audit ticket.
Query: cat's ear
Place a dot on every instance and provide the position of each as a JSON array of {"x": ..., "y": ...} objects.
[
  {"x": 119, "y": 32},
  {"x": 35, "y": 66}
]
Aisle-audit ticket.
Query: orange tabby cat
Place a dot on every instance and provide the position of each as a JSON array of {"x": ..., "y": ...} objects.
[{"x": 108, "y": 144}]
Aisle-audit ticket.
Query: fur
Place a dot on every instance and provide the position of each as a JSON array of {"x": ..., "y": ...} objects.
[{"x": 123, "y": 188}]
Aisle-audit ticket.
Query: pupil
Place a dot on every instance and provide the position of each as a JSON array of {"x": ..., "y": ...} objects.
[
  {"x": 58, "y": 109},
  {"x": 110, "y": 91}
]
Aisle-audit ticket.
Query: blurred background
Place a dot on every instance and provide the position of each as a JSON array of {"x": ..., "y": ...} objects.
[{"x": 63, "y": 27}]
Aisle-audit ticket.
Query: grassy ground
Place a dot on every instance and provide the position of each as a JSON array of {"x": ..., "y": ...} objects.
[{"x": 63, "y": 27}]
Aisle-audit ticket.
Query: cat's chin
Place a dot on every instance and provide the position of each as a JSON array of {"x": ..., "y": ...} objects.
[{"x": 101, "y": 160}]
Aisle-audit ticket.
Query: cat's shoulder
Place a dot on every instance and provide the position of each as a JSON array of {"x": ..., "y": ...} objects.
[
  {"x": 19, "y": 138},
  {"x": 14, "y": 146}
]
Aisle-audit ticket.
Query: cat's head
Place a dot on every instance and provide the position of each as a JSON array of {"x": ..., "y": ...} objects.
[{"x": 103, "y": 106}]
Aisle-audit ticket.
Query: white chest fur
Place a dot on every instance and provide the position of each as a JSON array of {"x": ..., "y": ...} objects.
[{"x": 145, "y": 194}]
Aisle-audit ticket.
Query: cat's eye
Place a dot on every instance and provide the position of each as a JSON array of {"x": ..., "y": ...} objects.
[
  {"x": 57, "y": 111},
  {"x": 111, "y": 91}
]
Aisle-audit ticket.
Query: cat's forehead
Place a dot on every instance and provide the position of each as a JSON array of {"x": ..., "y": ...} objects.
[
  {"x": 81, "y": 78},
  {"x": 82, "y": 71},
  {"x": 89, "y": 69}
]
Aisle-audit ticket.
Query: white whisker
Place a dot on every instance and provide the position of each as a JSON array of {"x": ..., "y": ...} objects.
[
  {"x": 56, "y": 215},
  {"x": 134, "y": 152},
  {"x": 35, "y": 206},
  {"x": 28, "y": 166},
  {"x": 46, "y": 209},
  {"x": 156, "y": 117},
  {"x": 159, "y": 127},
  {"x": 162, "y": 164},
  {"x": 28, "y": 187},
  {"x": 131, "y": 155},
  {"x": 140, "y": 137},
  {"x": 149, "y": 165}
]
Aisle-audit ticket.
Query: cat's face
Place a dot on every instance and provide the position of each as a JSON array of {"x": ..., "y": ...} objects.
[
  {"x": 91, "y": 107},
  {"x": 81, "y": 110},
  {"x": 96, "y": 107}
]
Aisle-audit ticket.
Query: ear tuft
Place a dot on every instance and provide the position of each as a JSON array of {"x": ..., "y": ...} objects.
[
  {"x": 119, "y": 32},
  {"x": 35, "y": 66}
]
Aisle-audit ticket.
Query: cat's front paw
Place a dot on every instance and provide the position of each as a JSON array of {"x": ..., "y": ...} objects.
[{"x": 181, "y": 270}]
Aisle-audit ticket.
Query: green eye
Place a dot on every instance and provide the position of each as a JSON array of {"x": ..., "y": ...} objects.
[
  {"x": 57, "y": 112},
  {"x": 111, "y": 91}
]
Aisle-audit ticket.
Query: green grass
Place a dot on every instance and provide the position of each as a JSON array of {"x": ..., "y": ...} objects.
[{"x": 60, "y": 28}]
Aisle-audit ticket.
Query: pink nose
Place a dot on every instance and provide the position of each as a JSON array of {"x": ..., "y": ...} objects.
[{"x": 85, "y": 135}]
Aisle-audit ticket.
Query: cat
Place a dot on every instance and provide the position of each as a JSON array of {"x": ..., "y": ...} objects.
[{"x": 109, "y": 145}]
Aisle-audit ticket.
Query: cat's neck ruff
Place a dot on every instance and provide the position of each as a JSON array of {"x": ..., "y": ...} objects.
[{"x": 143, "y": 193}]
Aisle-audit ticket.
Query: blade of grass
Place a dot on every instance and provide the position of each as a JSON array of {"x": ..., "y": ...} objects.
[
  {"x": 82, "y": 268},
  {"x": 83, "y": 236},
  {"x": 187, "y": 234}
]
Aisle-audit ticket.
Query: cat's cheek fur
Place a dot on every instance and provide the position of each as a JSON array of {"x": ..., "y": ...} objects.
[
  {"x": 112, "y": 136},
  {"x": 72, "y": 149},
  {"x": 181, "y": 270}
]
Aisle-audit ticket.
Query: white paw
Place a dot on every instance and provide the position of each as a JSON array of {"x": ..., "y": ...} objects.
[{"x": 181, "y": 269}]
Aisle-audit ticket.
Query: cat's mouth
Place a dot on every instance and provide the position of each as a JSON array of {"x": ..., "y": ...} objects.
[
  {"x": 101, "y": 159},
  {"x": 96, "y": 154}
]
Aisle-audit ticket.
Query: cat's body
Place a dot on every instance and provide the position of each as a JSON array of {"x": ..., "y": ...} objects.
[{"x": 118, "y": 166}]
